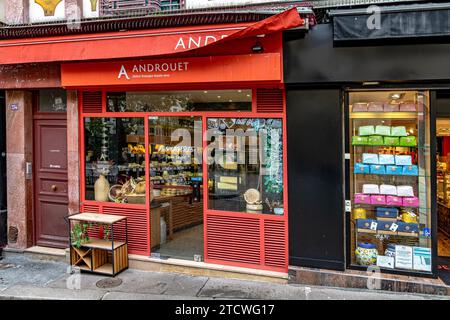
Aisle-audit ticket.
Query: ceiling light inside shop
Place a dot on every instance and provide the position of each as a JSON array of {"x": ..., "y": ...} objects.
[
  {"x": 396, "y": 96},
  {"x": 219, "y": 97}
]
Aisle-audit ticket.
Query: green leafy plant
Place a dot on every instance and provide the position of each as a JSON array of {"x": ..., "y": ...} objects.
[
  {"x": 79, "y": 234},
  {"x": 106, "y": 231}
]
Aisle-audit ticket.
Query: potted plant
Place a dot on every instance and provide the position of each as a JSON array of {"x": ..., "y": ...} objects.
[{"x": 79, "y": 234}]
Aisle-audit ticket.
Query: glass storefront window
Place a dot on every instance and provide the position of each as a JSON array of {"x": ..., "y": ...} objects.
[
  {"x": 390, "y": 180},
  {"x": 178, "y": 101},
  {"x": 52, "y": 100},
  {"x": 245, "y": 165},
  {"x": 115, "y": 160}
]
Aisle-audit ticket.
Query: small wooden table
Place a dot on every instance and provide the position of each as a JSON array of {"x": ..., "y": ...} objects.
[{"x": 93, "y": 256}]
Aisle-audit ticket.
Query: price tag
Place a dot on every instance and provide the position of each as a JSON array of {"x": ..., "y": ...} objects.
[
  {"x": 394, "y": 227},
  {"x": 373, "y": 226}
]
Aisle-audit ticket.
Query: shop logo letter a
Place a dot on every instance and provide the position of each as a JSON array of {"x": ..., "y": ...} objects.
[{"x": 123, "y": 72}]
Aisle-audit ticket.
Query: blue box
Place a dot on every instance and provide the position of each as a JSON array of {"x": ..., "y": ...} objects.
[
  {"x": 377, "y": 169},
  {"x": 361, "y": 168},
  {"x": 363, "y": 225},
  {"x": 384, "y": 227},
  {"x": 391, "y": 213},
  {"x": 394, "y": 170},
  {"x": 407, "y": 228},
  {"x": 410, "y": 170}
]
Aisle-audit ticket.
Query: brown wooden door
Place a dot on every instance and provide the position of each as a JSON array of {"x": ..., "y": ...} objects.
[{"x": 50, "y": 182}]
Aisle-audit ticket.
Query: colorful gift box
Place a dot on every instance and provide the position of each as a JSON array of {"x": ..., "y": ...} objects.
[
  {"x": 360, "y": 141},
  {"x": 377, "y": 169},
  {"x": 366, "y": 130},
  {"x": 408, "y": 229},
  {"x": 383, "y": 130},
  {"x": 394, "y": 170},
  {"x": 385, "y": 227},
  {"x": 378, "y": 199},
  {"x": 394, "y": 201},
  {"x": 386, "y": 159},
  {"x": 361, "y": 198},
  {"x": 408, "y": 107},
  {"x": 391, "y": 141},
  {"x": 391, "y": 107},
  {"x": 382, "y": 212},
  {"x": 403, "y": 160},
  {"x": 370, "y": 158},
  {"x": 376, "y": 141},
  {"x": 359, "y": 107},
  {"x": 361, "y": 168},
  {"x": 410, "y": 170},
  {"x": 375, "y": 107},
  {"x": 370, "y": 189},
  {"x": 399, "y": 131},
  {"x": 388, "y": 189},
  {"x": 367, "y": 225},
  {"x": 405, "y": 191},
  {"x": 410, "y": 202},
  {"x": 409, "y": 141}
]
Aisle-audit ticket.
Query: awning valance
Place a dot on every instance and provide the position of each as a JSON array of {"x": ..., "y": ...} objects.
[
  {"x": 136, "y": 44},
  {"x": 396, "y": 22}
]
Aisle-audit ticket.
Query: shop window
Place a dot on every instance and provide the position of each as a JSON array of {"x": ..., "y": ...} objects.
[
  {"x": 390, "y": 180},
  {"x": 115, "y": 160},
  {"x": 52, "y": 100},
  {"x": 245, "y": 165},
  {"x": 179, "y": 101}
]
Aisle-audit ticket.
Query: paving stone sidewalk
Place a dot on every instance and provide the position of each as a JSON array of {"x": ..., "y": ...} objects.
[{"x": 22, "y": 277}]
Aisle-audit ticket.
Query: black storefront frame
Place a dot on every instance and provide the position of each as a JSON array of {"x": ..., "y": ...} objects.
[{"x": 433, "y": 174}]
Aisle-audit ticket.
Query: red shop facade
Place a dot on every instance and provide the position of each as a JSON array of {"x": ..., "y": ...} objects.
[
  {"x": 238, "y": 213},
  {"x": 182, "y": 130}
]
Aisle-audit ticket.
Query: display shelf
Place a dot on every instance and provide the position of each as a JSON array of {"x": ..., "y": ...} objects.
[
  {"x": 99, "y": 255},
  {"x": 381, "y": 232},
  {"x": 385, "y": 115}
]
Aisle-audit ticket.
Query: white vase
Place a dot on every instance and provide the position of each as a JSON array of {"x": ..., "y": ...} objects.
[{"x": 101, "y": 189}]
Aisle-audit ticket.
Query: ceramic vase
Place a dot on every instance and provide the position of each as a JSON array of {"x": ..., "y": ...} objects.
[{"x": 101, "y": 189}]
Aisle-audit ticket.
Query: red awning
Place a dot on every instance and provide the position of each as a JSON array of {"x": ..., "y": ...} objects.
[{"x": 135, "y": 44}]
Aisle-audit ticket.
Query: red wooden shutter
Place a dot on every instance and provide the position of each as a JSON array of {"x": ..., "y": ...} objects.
[
  {"x": 92, "y": 102},
  {"x": 233, "y": 239},
  {"x": 269, "y": 101},
  {"x": 275, "y": 243}
]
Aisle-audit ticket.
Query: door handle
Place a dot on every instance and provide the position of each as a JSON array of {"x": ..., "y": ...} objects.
[{"x": 54, "y": 187}]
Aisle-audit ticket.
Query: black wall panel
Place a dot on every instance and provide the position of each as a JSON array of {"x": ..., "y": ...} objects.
[{"x": 315, "y": 173}]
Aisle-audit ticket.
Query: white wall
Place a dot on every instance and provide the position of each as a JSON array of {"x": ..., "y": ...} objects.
[
  {"x": 87, "y": 10},
  {"x": 195, "y": 4},
  {"x": 37, "y": 12},
  {"x": 2, "y": 11}
]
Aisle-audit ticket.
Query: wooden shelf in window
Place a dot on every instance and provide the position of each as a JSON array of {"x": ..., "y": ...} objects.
[
  {"x": 385, "y": 115},
  {"x": 102, "y": 244}
]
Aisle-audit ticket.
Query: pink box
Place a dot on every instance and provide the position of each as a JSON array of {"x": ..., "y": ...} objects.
[
  {"x": 378, "y": 199},
  {"x": 408, "y": 107},
  {"x": 359, "y": 107},
  {"x": 394, "y": 201},
  {"x": 375, "y": 107},
  {"x": 362, "y": 198},
  {"x": 391, "y": 107},
  {"x": 410, "y": 201}
]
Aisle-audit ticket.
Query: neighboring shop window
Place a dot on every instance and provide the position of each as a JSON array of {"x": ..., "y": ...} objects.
[
  {"x": 52, "y": 100},
  {"x": 178, "y": 101},
  {"x": 390, "y": 180},
  {"x": 245, "y": 165},
  {"x": 115, "y": 160}
]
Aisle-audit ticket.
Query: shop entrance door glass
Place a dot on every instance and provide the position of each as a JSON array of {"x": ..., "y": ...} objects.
[
  {"x": 176, "y": 207},
  {"x": 389, "y": 181}
]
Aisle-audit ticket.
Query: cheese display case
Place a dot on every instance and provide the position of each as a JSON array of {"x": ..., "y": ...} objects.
[{"x": 389, "y": 185}]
